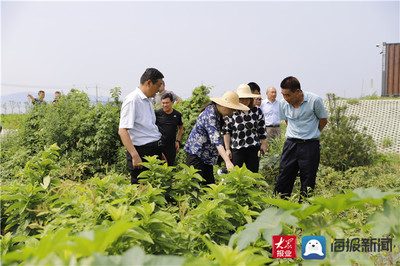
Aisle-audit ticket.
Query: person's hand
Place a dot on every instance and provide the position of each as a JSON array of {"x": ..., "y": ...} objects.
[
  {"x": 164, "y": 158},
  {"x": 229, "y": 165},
  {"x": 229, "y": 153},
  {"x": 177, "y": 145},
  {"x": 264, "y": 148},
  {"x": 136, "y": 160}
]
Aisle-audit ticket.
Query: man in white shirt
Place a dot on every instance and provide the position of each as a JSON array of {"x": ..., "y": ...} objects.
[
  {"x": 137, "y": 126},
  {"x": 270, "y": 108}
]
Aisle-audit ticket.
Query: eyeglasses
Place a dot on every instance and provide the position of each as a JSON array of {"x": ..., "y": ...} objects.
[{"x": 257, "y": 99}]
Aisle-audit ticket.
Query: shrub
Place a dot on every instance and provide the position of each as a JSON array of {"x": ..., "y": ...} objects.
[
  {"x": 269, "y": 163},
  {"x": 343, "y": 145},
  {"x": 86, "y": 133}
]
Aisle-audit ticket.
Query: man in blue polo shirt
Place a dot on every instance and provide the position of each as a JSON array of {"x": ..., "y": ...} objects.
[{"x": 305, "y": 117}]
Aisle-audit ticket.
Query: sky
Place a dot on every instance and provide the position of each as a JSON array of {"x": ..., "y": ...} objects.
[{"x": 329, "y": 46}]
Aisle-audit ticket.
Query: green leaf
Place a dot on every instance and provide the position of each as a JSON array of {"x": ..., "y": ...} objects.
[
  {"x": 140, "y": 234},
  {"x": 283, "y": 204},
  {"x": 17, "y": 205},
  {"x": 163, "y": 260},
  {"x": 386, "y": 221},
  {"x": 306, "y": 211},
  {"x": 335, "y": 204},
  {"x": 269, "y": 223},
  {"x": 46, "y": 182},
  {"x": 373, "y": 195}
]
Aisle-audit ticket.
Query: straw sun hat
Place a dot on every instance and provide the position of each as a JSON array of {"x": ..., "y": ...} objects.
[
  {"x": 230, "y": 99},
  {"x": 244, "y": 91}
]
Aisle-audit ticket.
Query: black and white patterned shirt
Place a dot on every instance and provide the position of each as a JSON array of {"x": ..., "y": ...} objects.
[{"x": 245, "y": 130}]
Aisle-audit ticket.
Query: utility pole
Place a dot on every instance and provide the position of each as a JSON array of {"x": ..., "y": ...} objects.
[
  {"x": 362, "y": 88},
  {"x": 371, "y": 86},
  {"x": 383, "y": 53}
]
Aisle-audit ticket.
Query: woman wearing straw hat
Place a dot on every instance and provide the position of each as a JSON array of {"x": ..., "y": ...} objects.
[
  {"x": 204, "y": 142},
  {"x": 244, "y": 132}
]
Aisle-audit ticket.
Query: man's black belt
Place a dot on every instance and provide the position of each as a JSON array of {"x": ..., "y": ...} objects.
[
  {"x": 274, "y": 126},
  {"x": 302, "y": 140},
  {"x": 152, "y": 144}
]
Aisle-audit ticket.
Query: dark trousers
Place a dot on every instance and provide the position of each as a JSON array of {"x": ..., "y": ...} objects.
[
  {"x": 206, "y": 170},
  {"x": 298, "y": 156},
  {"x": 249, "y": 156},
  {"x": 169, "y": 152},
  {"x": 150, "y": 149}
]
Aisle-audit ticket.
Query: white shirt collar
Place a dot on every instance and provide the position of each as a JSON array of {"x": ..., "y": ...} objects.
[{"x": 141, "y": 94}]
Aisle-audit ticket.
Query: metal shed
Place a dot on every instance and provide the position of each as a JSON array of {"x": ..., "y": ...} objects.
[{"x": 391, "y": 69}]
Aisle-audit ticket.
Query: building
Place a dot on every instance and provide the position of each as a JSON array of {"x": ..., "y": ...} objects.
[{"x": 391, "y": 69}]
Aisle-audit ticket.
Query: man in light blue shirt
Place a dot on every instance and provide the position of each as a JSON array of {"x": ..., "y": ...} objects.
[
  {"x": 137, "y": 126},
  {"x": 270, "y": 108},
  {"x": 305, "y": 116}
]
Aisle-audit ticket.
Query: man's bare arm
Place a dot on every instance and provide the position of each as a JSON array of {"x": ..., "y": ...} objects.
[{"x": 126, "y": 140}]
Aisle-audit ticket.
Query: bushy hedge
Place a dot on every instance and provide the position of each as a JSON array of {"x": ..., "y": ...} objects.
[
  {"x": 86, "y": 133},
  {"x": 343, "y": 146}
]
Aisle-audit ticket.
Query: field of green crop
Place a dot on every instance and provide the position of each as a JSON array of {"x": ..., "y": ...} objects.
[{"x": 66, "y": 199}]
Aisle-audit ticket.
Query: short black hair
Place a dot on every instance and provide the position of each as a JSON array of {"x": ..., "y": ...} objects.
[
  {"x": 40, "y": 92},
  {"x": 291, "y": 83},
  {"x": 254, "y": 87},
  {"x": 168, "y": 95},
  {"x": 151, "y": 74},
  {"x": 58, "y": 92}
]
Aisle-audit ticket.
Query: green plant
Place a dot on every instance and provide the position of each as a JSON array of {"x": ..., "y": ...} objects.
[
  {"x": 11, "y": 121},
  {"x": 116, "y": 94},
  {"x": 374, "y": 96},
  {"x": 87, "y": 134},
  {"x": 186, "y": 186},
  {"x": 24, "y": 202},
  {"x": 387, "y": 142},
  {"x": 242, "y": 182},
  {"x": 226, "y": 255},
  {"x": 343, "y": 146},
  {"x": 269, "y": 163},
  {"x": 353, "y": 101}
]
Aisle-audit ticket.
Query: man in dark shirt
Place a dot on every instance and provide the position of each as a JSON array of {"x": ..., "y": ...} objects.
[
  {"x": 57, "y": 96},
  {"x": 39, "y": 100},
  {"x": 168, "y": 120}
]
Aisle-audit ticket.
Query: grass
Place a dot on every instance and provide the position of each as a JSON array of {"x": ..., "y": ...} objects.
[{"x": 11, "y": 121}]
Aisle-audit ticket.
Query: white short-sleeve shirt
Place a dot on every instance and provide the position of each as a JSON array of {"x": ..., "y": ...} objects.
[
  {"x": 137, "y": 115},
  {"x": 271, "y": 112}
]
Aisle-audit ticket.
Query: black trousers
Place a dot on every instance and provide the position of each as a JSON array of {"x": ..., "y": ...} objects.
[
  {"x": 169, "y": 152},
  {"x": 206, "y": 170},
  {"x": 149, "y": 149},
  {"x": 298, "y": 156},
  {"x": 249, "y": 156}
]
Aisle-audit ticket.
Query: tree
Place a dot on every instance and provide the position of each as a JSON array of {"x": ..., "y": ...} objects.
[
  {"x": 343, "y": 146},
  {"x": 13, "y": 105},
  {"x": 4, "y": 106}
]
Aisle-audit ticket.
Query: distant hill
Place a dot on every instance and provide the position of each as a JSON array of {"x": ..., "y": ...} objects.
[
  {"x": 21, "y": 98},
  {"x": 17, "y": 97}
]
